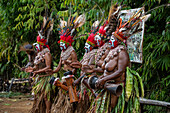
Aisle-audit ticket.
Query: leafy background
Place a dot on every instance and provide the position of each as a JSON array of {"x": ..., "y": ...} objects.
[{"x": 21, "y": 19}]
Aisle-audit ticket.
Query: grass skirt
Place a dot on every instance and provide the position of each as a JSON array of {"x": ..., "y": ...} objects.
[
  {"x": 62, "y": 104},
  {"x": 42, "y": 90}
]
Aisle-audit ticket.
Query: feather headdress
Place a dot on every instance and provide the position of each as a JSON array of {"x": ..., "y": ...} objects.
[
  {"x": 130, "y": 27},
  {"x": 46, "y": 28},
  {"x": 113, "y": 18},
  {"x": 94, "y": 29},
  {"x": 43, "y": 34},
  {"x": 67, "y": 30},
  {"x": 102, "y": 30},
  {"x": 95, "y": 26}
]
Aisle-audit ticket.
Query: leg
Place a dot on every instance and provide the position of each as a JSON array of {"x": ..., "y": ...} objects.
[
  {"x": 114, "y": 100},
  {"x": 47, "y": 104}
]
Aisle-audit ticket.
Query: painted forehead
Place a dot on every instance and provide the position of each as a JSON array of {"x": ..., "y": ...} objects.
[
  {"x": 62, "y": 43},
  {"x": 86, "y": 44},
  {"x": 97, "y": 37}
]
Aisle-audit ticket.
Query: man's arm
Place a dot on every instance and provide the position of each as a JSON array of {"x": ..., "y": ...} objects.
[
  {"x": 89, "y": 68},
  {"x": 122, "y": 64},
  {"x": 58, "y": 67}
]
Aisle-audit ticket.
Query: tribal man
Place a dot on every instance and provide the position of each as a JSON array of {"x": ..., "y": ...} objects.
[
  {"x": 43, "y": 61},
  {"x": 68, "y": 59},
  {"x": 117, "y": 60}
]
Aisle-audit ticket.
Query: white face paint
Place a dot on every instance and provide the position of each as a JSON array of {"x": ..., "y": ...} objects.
[
  {"x": 37, "y": 46},
  {"x": 87, "y": 47},
  {"x": 112, "y": 40},
  {"x": 98, "y": 39},
  {"x": 62, "y": 46}
]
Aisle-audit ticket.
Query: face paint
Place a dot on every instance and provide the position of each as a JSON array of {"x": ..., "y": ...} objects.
[
  {"x": 37, "y": 46},
  {"x": 87, "y": 47},
  {"x": 113, "y": 43},
  {"x": 63, "y": 46},
  {"x": 98, "y": 40}
]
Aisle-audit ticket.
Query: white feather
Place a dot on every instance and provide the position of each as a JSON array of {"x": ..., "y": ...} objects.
[
  {"x": 106, "y": 27},
  {"x": 117, "y": 10},
  {"x": 122, "y": 29},
  {"x": 145, "y": 17},
  {"x": 81, "y": 19},
  {"x": 72, "y": 31},
  {"x": 63, "y": 23},
  {"x": 95, "y": 24}
]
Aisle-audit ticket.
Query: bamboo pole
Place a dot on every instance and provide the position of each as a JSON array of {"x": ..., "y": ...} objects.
[{"x": 154, "y": 102}]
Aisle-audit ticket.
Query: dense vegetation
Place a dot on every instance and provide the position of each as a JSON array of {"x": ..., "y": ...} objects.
[{"x": 21, "y": 19}]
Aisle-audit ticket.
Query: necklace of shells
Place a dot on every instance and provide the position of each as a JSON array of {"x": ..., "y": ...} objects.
[
  {"x": 88, "y": 55},
  {"x": 113, "y": 52},
  {"x": 40, "y": 56},
  {"x": 66, "y": 54},
  {"x": 101, "y": 52}
]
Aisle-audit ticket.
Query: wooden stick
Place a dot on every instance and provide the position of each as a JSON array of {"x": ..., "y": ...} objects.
[
  {"x": 17, "y": 66},
  {"x": 154, "y": 102}
]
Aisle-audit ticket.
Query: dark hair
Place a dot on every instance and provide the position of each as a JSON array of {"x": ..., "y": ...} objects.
[
  {"x": 44, "y": 47},
  {"x": 28, "y": 46}
]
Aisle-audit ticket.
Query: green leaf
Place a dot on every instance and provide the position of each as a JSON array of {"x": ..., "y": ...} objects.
[
  {"x": 136, "y": 104},
  {"x": 140, "y": 81},
  {"x": 129, "y": 83},
  {"x": 136, "y": 86}
]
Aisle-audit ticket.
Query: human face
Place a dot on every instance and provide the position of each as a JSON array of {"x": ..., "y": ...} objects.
[
  {"x": 63, "y": 46},
  {"x": 112, "y": 42},
  {"x": 87, "y": 47},
  {"x": 98, "y": 40},
  {"x": 38, "y": 47}
]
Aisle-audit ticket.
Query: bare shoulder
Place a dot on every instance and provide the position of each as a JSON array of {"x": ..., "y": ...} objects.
[
  {"x": 73, "y": 52},
  {"x": 123, "y": 52},
  {"x": 124, "y": 55},
  {"x": 48, "y": 54}
]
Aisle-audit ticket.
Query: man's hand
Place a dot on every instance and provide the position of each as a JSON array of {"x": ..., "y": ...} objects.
[
  {"x": 76, "y": 64},
  {"x": 67, "y": 62},
  {"x": 87, "y": 67},
  {"x": 23, "y": 69},
  {"x": 29, "y": 69},
  {"x": 34, "y": 74},
  {"x": 49, "y": 71},
  {"x": 89, "y": 71},
  {"x": 100, "y": 83},
  {"x": 100, "y": 70}
]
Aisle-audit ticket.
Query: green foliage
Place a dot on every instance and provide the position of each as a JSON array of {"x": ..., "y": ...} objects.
[
  {"x": 129, "y": 100},
  {"x": 156, "y": 63},
  {"x": 20, "y": 21}
]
